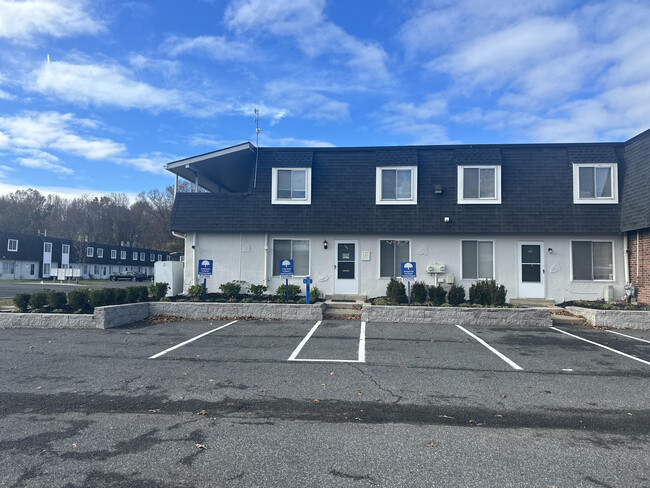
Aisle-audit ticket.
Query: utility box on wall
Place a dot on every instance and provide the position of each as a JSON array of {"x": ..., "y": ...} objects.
[
  {"x": 436, "y": 268},
  {"x": 170, "y": 272}
]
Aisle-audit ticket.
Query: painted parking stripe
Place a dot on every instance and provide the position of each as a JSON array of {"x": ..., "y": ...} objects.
[
  {"x": 362, "y": 349},
  {"x": 191, "y": 340},
  {"x": 481, "y": 341},
  {"x": 631, "y": 337},
  {"x": 603, "y": 346}
]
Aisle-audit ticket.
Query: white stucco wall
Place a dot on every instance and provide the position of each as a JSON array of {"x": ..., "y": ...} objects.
[{"x": 241, "y": 257}]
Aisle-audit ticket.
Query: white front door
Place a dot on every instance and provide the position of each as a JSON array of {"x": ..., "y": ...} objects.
[
  {"x": 531, "y": 270},
  {"x": 346, "y": 268}
]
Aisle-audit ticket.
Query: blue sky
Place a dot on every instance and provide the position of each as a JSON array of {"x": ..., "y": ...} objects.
[{"x": 96, "y": 96}]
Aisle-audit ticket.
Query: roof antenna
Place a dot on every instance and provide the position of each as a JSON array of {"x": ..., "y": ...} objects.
[{"x": 257, "y": 144}]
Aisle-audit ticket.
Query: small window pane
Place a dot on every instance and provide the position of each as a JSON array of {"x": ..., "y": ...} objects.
[
  {"x": 401, "y": 256},
  {"x": 298, "y": 187},
  {"x": 387, "y": 259},
  {"x": 604, "y": 182},
  {"x": 586, "y": 177},
  {"x": 470, "y": 259},
  {"x": 603, "y": 266},
  {"x": 470, "y": 183},
  {"x": 284, "y": 183},
  {"x": 300, "y": 256},
  {"x": 403, "y": 189},
  {"x": 581, "y": 260},
  {"x": 485, "y": 260},
  {"x": 389, "y": 184},
  {"x": 487, "y": 189}
]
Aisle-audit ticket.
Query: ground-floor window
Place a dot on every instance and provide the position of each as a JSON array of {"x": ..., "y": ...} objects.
[
  {"x": 296, "y": 249},
  {"x": 392, "y": 254},
  {"x": 46, "y": 269},
  {"x": 85, "y": 269},
  {"x": 8, "y": 267},
  {"x": 592, "y": 260},
  {"x": 477, "y": 259}
]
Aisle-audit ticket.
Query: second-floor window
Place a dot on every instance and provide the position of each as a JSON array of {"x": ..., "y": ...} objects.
[
  {"x": 291, "y": 186},
  {"x": 100, "y": 253},
  {"x": 479, "y": 184},
  {"x": 396, "y": 185},
  {"x": 152, "y": 257},
  {"x": 90, "y": 252},
  {"x": 122, "y": 254},
  {"x": 595, "y": 183},
  {"x": 12, "y": 245},
  {"x": 142, "y": 256},
  {"x": 113, "y": 253},
  {"x": 47, "y": 247},
  {"x": 135, "y": 255},
  {"x": 65, "y": 249}
]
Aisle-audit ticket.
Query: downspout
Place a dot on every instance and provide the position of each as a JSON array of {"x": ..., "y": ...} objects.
[
  {"x": 627, "y": 258},
  {"x": 194, "y": 269},
  {"x": 241, "y": 242},
  {"x": 266, "y": 258},
  {"x": 637, "y": 254}
]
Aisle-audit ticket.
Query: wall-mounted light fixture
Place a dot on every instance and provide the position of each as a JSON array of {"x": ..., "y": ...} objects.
[
  {"x": 550, "y": 250},
  {"x": 446, "y": 219},
  {"x": 324, "y": 244}
]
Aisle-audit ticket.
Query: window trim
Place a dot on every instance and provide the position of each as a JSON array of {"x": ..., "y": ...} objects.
[
  {"x": 494, "y": 261},
  {"x": 143, "y": 256},
  {"x": 113, "y": 253},
  {"x": 100, "y": 252},
  {"x": 290, "y": 239},
  {"x": 160, "y": 257},
  {"x": 379, "y": 276},
  {"x": 596, "y": 200},
  {"x": 45, "y": 246},
  {"x": 152, "y": 257},
  {"x": 122, "y": 254},
  {"x": 379, "y": 200},
  {"x": 479, "y": 201},
  {"x": 573, "y": 280},
  {"x": 63, "y": 248},
  {"x": 134, "y": 256},
  {"x": 90, "y": 251},
  {"x": 290, "y": 201},
  {"x": 9, "y": 241}
]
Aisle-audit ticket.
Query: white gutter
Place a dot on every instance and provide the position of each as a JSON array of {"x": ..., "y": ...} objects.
[
  {"x": 266, "y": 258},
  {"x": 637, "y": 254},
  {"x": 194, "y": 270},
  {"x": 627, "y": 258}
]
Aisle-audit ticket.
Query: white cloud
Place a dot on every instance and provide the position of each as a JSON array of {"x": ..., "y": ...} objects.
[
  {"x": 304, "y": 100},
  {"x": 420, "y": 122},
  {"x": 149, "y": 163},
  {"x": 5, "y": 95},
  {"x": 45, "y": 161},
  {"x": 305, "y": 21},
  {"x": 22, "y": 20},
  {"x": 53, "y": 130},
  {"x": 216, "y": 47},
  {"x": 103, "y": 85},
  {"x": 266, "y": 140},
  {"x": 63, "y": 191}
]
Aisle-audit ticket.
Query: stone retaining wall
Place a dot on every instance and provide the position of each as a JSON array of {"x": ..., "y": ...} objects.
[
  {"x": 197, "y": 310},
  {"x": 616, "y": 319},
  {"x": 118, "y": 315},
  {"x": 503, "y": 317},
  {"x": 48, "y": 321}
]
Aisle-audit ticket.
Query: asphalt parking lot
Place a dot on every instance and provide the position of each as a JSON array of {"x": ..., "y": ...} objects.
[{"x": 336, "y": 403}]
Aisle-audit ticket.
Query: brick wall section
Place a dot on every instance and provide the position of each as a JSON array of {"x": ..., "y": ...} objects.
[{"x": 640, "y": 280}]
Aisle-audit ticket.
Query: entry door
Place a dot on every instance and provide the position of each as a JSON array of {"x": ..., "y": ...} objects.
[
  {"x": 531, "y": 270},
  {"x": 346, "y": 272}
]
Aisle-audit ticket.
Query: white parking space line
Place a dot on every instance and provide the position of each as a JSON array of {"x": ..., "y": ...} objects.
[
  {"x": 362, "y": 349},
  {"x": 191, "y": 340},
  {"x": 481, "y": 341},
  {"x": 603, "y": 346},
  {"x": 631, "y": 337}
]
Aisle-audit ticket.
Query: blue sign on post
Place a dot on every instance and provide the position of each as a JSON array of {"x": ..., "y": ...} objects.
[
  {"x": 408, "y": 274},
  {"x": 205, "y": 267},
  {"x": 286, "y": 268},
  {"x": 307, "y": 281}
]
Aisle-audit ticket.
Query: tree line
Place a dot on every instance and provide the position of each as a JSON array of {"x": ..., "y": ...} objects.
[{"x": 110, "y": 219}]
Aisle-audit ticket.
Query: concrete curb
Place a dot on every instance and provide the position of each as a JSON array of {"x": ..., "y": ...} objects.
[{"x": 616, "y": 319}]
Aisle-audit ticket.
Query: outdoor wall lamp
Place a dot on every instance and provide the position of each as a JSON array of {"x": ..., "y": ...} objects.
[
  {"x": 324, "y": 244},
  {"x": 550, "y": 250}
]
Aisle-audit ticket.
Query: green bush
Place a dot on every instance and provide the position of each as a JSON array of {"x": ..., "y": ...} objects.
[
  {"x": 396, "y": 292},
  {"x": 21, "y": 300},
  {"x": 38, "y": 300},
  {"x": 294, "y": 291},
  {"x": 97, "y": 298},
  {"x": 258, "y": 290},
  {"x": 456, "y": 295},
  {"x": 78, "y": 299},
  {"x": 120, "y": 296},
  {"x": 302, "y": 301},
  {"x": 56, "y": 300},
  {"x": 143, "y": 294},
  {"x": 195, "y": 292},
  {"x": 314, "y": 294},
  {"x": 437, "y": 294},
  {"x": 110, "y": 298},
  {"x": 487, "y": 293},
  {"x": 419, "y": 292},
  {"x": 158, "y": 291},
  {"x": 381, "y": 301},
  {"x": 231, "y": 289}
]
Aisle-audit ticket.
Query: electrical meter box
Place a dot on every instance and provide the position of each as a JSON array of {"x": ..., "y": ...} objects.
[{"x": 436, "y": 268}]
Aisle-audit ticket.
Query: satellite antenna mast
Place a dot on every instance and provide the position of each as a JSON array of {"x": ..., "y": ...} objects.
[{"x": 257, "y": 144}]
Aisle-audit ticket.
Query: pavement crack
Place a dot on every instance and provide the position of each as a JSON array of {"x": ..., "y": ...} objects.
[{"x": 376, "y": 383}]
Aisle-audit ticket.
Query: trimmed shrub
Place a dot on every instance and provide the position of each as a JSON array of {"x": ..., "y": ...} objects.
[
  {"x": 381, "y": 301},
  {"x": 294, "y": 291},
  {"x": 231, "y": 289},
  {"x": 437, "y": 294},
  {"x": 97, "y": 298},
  {"x": 132, "y": 294},
  {"x": 487, "y": 293},
  {"x": 78, "y": 299},
  {"x": 396, "y": 292},
  {"x": 110, "y": 297},
  {"x": 158, "y": 291},
  {"x": 120, "y": 296},
  {"x": 38, "y": 300},
  {"x": 21, "y": 300},
  {"x": 258, "y": 290},
  {"x": 499, "y": 296},
  {"x": 314, "y": 294},
  {"x": 456, "y": 295},
  {"x": 195, "y": 292},
  {"x": 143, "y": 295},
  {"x": 419, "y": 292},
  {"x": 56, "y": 300}
]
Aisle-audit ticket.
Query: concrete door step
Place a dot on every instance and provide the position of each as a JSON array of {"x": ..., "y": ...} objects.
[{"x": 532, "y": 302}]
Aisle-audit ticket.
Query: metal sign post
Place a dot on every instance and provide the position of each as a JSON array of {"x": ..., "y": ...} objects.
[
  {"x": 409, "y": 274},
  {"x": 286, "y": 271},
  {"x": 307, "y": 281},
  {"x": 205, "y": 272}
]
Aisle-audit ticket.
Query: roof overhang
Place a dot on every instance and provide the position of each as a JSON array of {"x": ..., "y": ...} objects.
[{"x": 228, "y": 169}]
